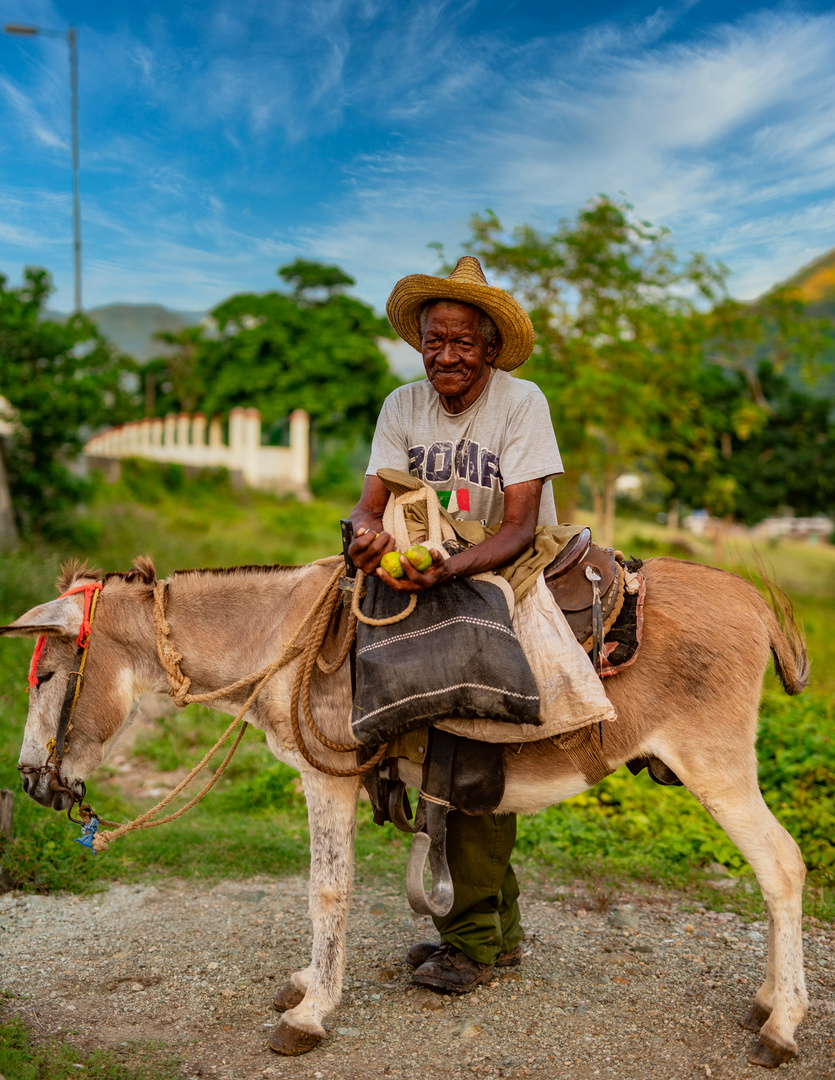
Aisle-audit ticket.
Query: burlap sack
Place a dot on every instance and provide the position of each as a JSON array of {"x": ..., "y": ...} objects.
[{"x": 570, "y": 693}]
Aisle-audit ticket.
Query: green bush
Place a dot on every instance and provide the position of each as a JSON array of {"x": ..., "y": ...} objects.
[
  {"x": 273, "y": 787},
  {"x": 796, "y": 751},
  {"x": 640, "y": 827}
]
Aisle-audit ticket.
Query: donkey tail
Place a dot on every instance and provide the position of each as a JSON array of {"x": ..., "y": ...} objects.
[{"x": 788, "y": 642}]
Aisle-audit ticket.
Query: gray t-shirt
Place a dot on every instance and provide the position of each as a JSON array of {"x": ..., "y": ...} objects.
[{"x": 505, "y": 437}]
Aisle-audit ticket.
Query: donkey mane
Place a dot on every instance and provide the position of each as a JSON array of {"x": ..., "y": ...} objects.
[
  {"x": 73, "y": 570},
  {"x": 250, "y": 568},
  {"x": 143, "y": 572}
]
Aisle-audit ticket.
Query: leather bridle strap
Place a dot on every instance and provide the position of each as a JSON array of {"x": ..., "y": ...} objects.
[
  {"x": 58, "y": 745},
  {"x": 91, "y": 598}
]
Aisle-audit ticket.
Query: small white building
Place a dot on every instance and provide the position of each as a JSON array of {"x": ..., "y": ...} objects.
[{"x": 813, "y": 529}]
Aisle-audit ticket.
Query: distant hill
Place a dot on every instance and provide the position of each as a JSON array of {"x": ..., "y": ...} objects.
[
  {"x": 816, "y": 285},
  {"x": 131, "y": 326}
]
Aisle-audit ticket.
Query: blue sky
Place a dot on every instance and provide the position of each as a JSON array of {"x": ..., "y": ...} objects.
[{"x": 223, "y": 138}]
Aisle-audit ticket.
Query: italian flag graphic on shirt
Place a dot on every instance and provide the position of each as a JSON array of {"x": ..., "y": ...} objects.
[{"x": 453, "y": 501}]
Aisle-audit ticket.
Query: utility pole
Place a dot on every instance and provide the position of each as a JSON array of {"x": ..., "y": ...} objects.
[{"x": 72, "y": 41}]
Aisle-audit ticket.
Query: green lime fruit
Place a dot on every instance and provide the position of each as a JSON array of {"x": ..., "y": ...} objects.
[
  {"x": 390, "y": 562},
  {"x": 420, "y": 557}
]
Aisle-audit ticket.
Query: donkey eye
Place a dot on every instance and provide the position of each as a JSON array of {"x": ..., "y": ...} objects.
[{"x": 47, "y": 675}]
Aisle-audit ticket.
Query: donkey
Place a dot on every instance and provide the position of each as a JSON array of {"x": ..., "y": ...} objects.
[{"x": 690, "y": 700}]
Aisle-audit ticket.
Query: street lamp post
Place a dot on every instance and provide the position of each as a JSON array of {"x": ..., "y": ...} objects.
[{"x": 71, "y": 38}]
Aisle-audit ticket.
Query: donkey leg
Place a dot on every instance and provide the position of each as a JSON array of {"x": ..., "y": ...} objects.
[
  {"x": 313, "y": 993},
  {"x": 760, "y": 1008},
  {"x": 735, "y": 803}
]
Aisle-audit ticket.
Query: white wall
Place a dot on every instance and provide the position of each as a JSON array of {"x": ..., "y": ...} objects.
[{"x": 192, "y": 441}]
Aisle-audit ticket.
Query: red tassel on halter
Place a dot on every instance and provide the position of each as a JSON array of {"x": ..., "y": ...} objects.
[
  {"x": 36, "y": 659},
  {"x": 83, "y": 634},
  {"x": 86, "y": 626}
]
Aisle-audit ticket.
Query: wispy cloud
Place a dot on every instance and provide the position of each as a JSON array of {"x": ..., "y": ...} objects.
[
  {"x": 709, "y": 137},
  {"x": 33, "y": 123},
  {"x": 222, "y": 138}
]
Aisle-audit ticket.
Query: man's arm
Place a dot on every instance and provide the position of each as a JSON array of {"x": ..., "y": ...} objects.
[
  {"x": 370, "y": 543},
  {"x": 521, "y": 513}
]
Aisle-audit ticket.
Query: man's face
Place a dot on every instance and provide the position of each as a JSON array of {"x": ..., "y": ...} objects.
[{"x": 456, "y": 357}]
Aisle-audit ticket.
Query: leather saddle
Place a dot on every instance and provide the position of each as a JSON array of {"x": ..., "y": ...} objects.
[{"x": 570, "y": 579}]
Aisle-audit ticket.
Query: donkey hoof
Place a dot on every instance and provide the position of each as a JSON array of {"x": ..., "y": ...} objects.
[
  {"x": 289, "y": 1040},
  {"x": 290, "y": 996},
  {"x": 753, "y": 1019},
  {"x": 768, "y": 1054}
]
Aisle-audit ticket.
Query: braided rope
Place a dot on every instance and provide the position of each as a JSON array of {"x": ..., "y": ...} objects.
[
  {"x": 358, "y": 615},
  {"x": 318, "y": 619}
]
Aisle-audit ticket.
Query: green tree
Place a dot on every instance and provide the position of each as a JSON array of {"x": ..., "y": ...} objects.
[
  {"x": 617, "y": 343},
  {"x": 788, "y": 460},
  {"x": 62, "y": 381},
  {"x": 314, "y": 280},
  {"x": 314, "y": 349},
  {"x": 751, "y": 451},
  {"x": 778, "y": 329},
  {"x": 173, "y": 382},
  {"x": 647, "y": 363}
]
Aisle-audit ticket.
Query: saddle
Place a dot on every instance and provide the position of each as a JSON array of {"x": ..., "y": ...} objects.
[{"x": 601, "y": 595}]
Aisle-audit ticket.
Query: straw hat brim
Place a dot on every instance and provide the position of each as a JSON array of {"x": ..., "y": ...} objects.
[{"x": 412, "y": 292}]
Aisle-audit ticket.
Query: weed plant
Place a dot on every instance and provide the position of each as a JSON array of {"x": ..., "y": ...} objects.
[{"x": 21, "y": 1058}]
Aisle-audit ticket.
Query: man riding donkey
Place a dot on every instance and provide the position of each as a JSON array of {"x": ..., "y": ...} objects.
[{"x": 484, "y": 441}]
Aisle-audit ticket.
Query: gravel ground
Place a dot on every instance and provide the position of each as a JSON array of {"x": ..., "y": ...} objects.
[{"x": 643, "y": 990}]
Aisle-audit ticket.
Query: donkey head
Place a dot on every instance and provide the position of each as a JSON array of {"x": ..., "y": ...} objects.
[{"x": 107, "y": 693}]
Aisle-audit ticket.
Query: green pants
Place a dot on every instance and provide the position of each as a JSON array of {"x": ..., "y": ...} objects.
[{"x": 484, "y": 921}]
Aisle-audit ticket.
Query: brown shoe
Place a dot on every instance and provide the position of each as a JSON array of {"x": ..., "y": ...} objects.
[
  {"x": 453, "y": 971},
  {"x": 419, "y": 954}
]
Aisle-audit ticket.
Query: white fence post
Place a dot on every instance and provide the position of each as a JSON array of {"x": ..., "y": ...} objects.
[{"x": 300, "y": 447}]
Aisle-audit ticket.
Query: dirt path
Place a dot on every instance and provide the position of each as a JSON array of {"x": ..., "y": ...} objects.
[{"x": 645, "y": 990}]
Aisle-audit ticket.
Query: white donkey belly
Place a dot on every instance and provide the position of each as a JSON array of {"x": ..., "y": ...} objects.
[{"x": 523, "y": 794}]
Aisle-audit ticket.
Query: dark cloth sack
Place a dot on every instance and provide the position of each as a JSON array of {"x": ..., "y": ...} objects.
[{"x": 456, "y": 655}]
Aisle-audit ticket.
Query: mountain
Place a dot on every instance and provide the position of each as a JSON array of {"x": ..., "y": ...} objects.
[
  {"x": 131, "y": 326},
  {"x": 816, "y": 285}
]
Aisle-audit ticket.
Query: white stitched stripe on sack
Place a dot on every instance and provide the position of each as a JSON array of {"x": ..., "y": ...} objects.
[
  {"x": 438, "y": 626},
  {"x": 444, "y": 690}
]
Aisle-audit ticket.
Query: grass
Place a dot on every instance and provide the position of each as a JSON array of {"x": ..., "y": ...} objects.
[
  {"x": 256, "y": 820},
  {"x": 22, "y": 1058}
]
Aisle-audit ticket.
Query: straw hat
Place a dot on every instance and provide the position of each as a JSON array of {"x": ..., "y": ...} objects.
[{"x": 468, "y": 285}]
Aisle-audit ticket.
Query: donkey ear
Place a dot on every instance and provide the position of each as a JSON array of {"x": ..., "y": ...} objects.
[{"x": 58, "y": 618}]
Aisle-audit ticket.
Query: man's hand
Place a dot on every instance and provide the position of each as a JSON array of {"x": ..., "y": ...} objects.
[
  {"x": 413, "y": 581},
  {"x": 369, "y": 546}
]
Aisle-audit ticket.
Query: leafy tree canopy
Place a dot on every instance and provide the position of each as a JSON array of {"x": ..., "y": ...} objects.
[
  {"x": 311, "y": 279},
  {"x": 616, "y": 342},
  {"x": 281, "y": 352},
  {"x": 635, "y": 347},
  {"x": 785, "y": 460},
  {"x": 62, "y": 381}
]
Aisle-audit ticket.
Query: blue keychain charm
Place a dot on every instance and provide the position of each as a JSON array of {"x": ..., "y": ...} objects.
[{"x": 88, "y": 831}]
